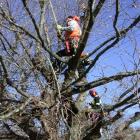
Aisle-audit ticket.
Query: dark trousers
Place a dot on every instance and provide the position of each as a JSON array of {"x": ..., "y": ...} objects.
[{"x": 63, "y": 53}]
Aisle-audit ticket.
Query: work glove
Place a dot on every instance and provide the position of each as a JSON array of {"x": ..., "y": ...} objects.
[{"x": 59, "y": 27}]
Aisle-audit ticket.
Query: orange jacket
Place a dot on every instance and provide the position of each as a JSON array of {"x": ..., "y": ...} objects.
[{"x": 76, "y": 30}]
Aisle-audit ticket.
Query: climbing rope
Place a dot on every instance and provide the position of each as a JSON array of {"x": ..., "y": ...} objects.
[{"x": 56, "y": 22}]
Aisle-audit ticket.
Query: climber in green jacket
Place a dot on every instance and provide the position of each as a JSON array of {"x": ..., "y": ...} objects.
[{"x": 97, "y": 113}]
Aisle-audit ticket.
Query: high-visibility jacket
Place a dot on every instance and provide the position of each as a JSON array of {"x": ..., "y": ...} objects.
[{"x": 74, "y": 31}]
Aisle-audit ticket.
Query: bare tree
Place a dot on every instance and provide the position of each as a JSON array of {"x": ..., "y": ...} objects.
[{"x": 38, "y": 102}]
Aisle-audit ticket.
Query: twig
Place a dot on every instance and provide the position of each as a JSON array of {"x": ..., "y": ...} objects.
[
  {"x": 38, "y": 33},
  {"x": 127, "y": 91},
  {"x": 10, "y": 82},
  {"x": 5, "y": 116},
  {"x": 116, "y": 19}
]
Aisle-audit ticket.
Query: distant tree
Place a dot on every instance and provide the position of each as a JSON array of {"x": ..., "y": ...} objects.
[{"x": 37, "y": 102}]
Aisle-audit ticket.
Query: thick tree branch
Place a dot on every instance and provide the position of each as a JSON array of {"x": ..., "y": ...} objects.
[
  {"x": 116, "y": 117},
  {"x": 101, "y": 81},
  {"x": 128, "y": 106},
  {"x": 133, "y": 119},
  {"x": 127, "y": 91},
  {"x": 116, "y": 19},
  {"x": 14, "y": 128},
  {"x": 124, "y": 101}
]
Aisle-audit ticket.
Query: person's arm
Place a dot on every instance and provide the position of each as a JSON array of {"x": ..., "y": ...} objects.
[{"x": 71, "y": 26}]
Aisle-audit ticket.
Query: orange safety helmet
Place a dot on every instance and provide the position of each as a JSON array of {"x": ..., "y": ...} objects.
[
  {"x": 69, "y": 18},
  {"x": 76, "y": 18},
  {"x": 93, "y": 93}
]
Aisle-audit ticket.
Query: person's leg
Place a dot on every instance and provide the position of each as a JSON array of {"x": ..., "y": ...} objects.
[
  {"x": 67, "y": 44},
  {"x": 62, "y": 53},
  {"x": 74, "y": 43}
]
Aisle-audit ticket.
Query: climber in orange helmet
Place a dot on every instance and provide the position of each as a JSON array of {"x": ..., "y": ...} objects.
[{"x": 72, "y": 36}]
